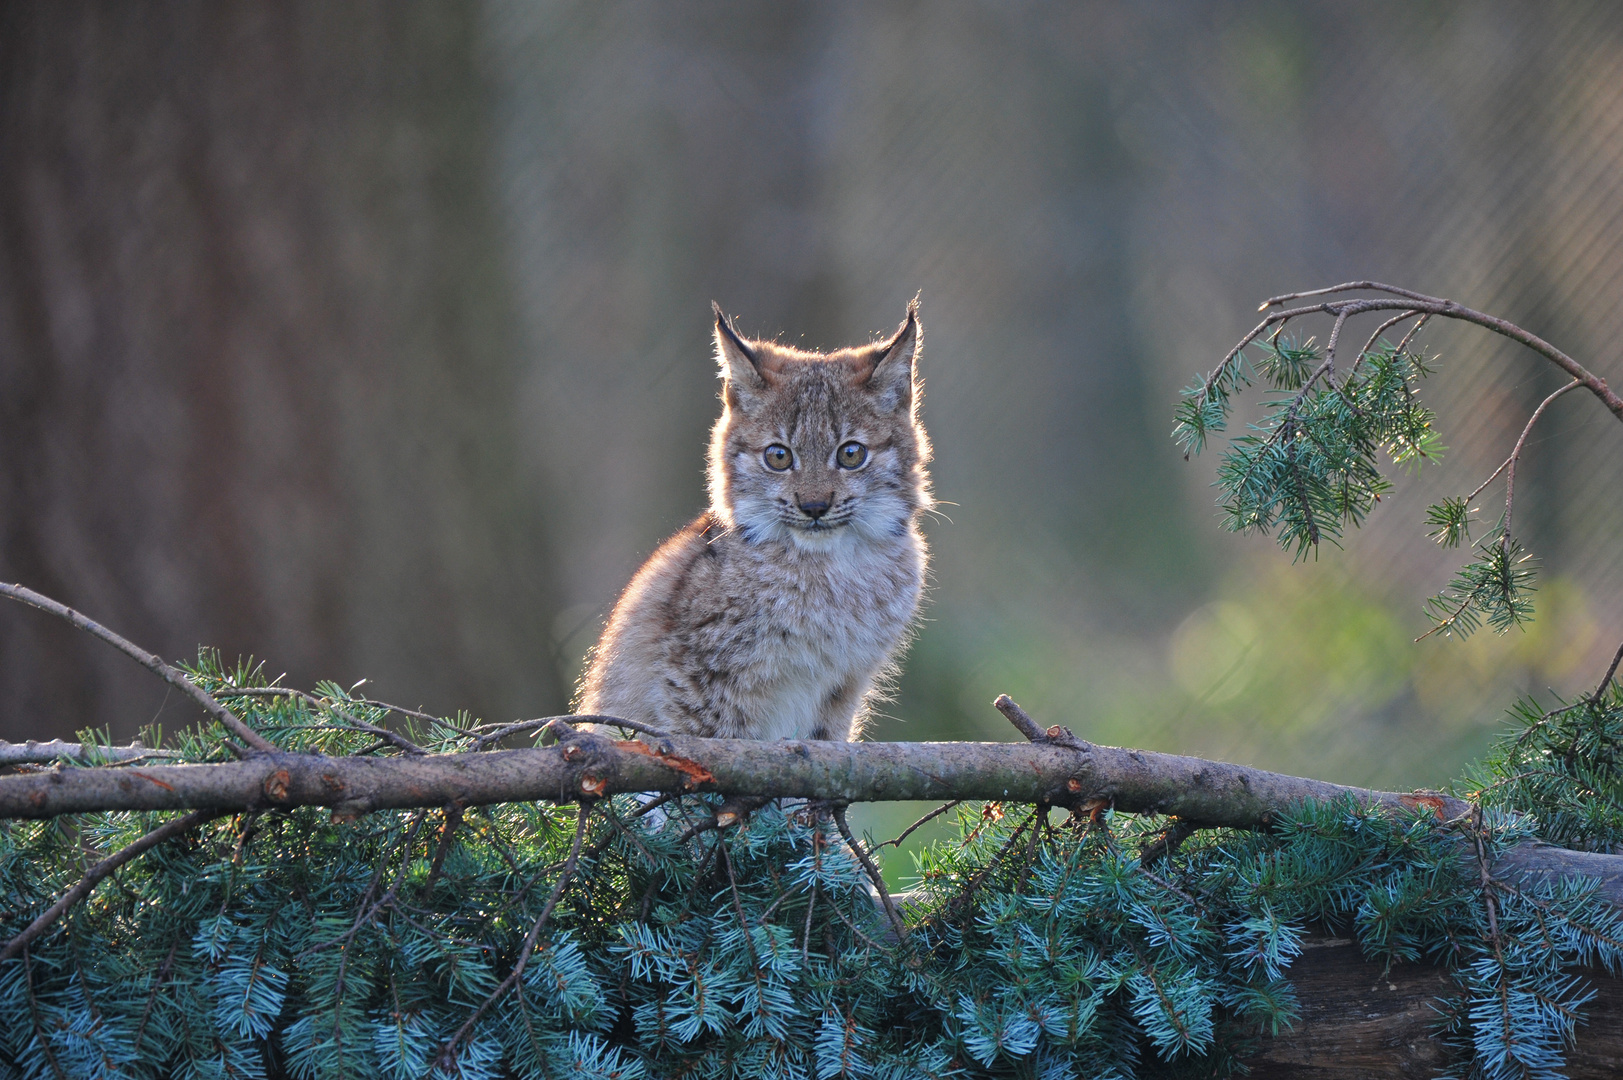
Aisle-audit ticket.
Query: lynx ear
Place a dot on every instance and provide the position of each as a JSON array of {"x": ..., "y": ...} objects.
[
  {"x": 890, "y": 375},
  {"x": 740, "y": 365}
]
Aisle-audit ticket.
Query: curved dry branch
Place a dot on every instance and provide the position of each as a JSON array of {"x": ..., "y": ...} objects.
[
  {"x": 1447, "y": 309},
  {"x": 1418, "y": 303},
  {"x": 167, "y": 672}
]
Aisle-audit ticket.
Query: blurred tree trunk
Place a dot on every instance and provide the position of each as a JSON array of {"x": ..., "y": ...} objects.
[{"x": 258, "y": 359}]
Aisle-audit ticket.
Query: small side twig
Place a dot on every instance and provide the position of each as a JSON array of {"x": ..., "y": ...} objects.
[
  {"x": 873, "y": 874},
  {"x": 1055, "y": 734},
  {"x": 502, "y": 731},
  {"x": 1017, "y": 716},
  {"x": 1167, "y": 844},
  {"x": 1611, "y": 672},
  {"x": 414, "y": 713},
  {"x": 1516, "y": 453},
  {"x": 167, "y": 672},
  {"x": 95, "y": 874},
  {"x": 931, "y": 816},
  {"x": 1412, "y": 301},
  {"x": 1383, "y": 328},
  {"x": 453, "y": 818},
  {"x": 446, "y": 1055}
]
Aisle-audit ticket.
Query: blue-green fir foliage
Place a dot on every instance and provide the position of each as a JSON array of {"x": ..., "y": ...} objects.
[
  {"x": 288, "y": 945},
  {"x": 1310, "y": 466}
]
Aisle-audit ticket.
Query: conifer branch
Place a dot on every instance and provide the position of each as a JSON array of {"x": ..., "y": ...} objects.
[
  {"x": 1431, "y": 305},
  {"x": 1310, "y": 467},
  {"x": 97, "y": 873},
  {"x": 446, "y": 1057},
  {"x": 873, "y": 873}
]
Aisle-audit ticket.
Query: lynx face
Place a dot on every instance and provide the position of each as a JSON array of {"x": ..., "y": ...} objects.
[{"x": 821, "y": 450}]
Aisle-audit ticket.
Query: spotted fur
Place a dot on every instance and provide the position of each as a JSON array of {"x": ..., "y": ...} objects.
[{"x": 775, "y": 616}]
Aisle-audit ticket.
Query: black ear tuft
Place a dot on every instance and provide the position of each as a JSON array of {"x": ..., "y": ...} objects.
[
  {"x": 738, "y": 360},
  {"x": 892, "y": 373}
]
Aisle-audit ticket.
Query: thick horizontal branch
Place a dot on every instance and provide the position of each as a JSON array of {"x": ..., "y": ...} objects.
[
  {"x": 589, "y": 765},
  {"x": 586, "y": 765}
]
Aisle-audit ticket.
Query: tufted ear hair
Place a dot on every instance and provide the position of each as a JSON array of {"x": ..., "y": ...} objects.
[
  {"x": 740, "y": 364},
  {"x": 887, "y": 368}
]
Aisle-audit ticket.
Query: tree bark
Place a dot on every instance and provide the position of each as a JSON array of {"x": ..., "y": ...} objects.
[
  {"x": 259, "y": 359},
  {"x": 1360, "y": 1021},
  {"x": 585, "y": 765}
]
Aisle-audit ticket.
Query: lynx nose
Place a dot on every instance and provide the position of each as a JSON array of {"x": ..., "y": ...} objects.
[{"x": 814, "y": 510}]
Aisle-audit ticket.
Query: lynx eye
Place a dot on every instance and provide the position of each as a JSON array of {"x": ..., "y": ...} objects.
[
  {"x": 778, "y": 457},
  {"x": 851, "y": 455}
]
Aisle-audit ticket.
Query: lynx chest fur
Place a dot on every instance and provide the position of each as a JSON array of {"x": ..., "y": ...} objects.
[{"x": 779, "y": 612}]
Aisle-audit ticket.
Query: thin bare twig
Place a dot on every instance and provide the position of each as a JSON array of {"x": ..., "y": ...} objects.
[
  {"x": 1019, "y": 718},
  {"x": 1606, "y": 680},
  {"x": 1167, "y": 844},
  {"x": 738, "y": 909},
  {"x": 445, "y": 1056},
  {"x": 453, "y": 818},
  {"x": 95, "y": 874},
  {"x": 931, "y": 816},
  {"x": 1055, "y": 735},
  {"x": 873, "y": 874},
  {"x": 167, "y": 672},
  {"x": 1373, "y": 286},
  {"x": 1516, "y": 453},
  {"x": 430, "y": 717},
  {"x": 1413, "y": 330},
  {"x": 504, "y": 730},
  {"x": 1383, "y": 328},
  {"x": 1330, "y": 346},
  {"x": 653, "y": 804}
]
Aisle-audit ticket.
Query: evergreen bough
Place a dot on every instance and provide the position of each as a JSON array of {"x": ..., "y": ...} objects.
[{"x": 288, "y": 944}]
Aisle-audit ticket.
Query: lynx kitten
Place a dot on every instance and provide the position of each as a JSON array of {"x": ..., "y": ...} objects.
[{"x": 775, "y": 613}]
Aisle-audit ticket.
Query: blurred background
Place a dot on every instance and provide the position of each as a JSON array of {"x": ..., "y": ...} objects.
[{"x": 372, "y": 340}]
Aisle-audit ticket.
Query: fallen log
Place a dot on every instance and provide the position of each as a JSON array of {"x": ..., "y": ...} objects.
[{"x": 1363, "y": 1021}]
